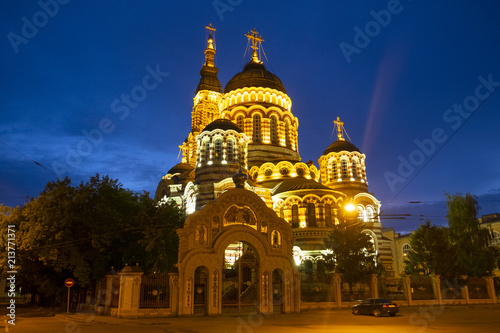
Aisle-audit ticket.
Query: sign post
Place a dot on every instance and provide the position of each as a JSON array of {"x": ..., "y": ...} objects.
[{"x": 68, "y": 283}]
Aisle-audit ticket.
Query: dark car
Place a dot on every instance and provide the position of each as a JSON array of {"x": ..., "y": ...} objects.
[{"x": 376, "y": 306}]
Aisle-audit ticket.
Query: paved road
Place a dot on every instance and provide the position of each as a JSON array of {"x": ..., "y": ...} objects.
[{"x": 456, "y": 319}]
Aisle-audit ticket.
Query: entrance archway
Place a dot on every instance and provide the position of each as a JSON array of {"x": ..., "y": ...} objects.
[
  {"x": 240, "y": 288},
  {"x": 200, "y": 290}
]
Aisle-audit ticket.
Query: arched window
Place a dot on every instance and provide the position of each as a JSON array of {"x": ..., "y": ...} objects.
[
  {"x": 354, "y": 168},
  {"x": 295, "y": 216},
  {"x": 369, "y": 214},
  {"x": 256, "y": 129},
  {"x": 328, "y": 215},
  {"x": 230, "y": 150},
  {"x": 311, "y": 215},
  {"x": 218, "y": 149},
  {"x": 361, "y": 213},
  {"x": 240, "y": 122},
  {"x": 207, "y": 150},
  {"x": 274, "y": 130},
  {"x": 287, "y": 134},
  {"x": 406, "y": 250},
  {"x": 334, "y": 174},
  {"x": 343, "y": 166}
]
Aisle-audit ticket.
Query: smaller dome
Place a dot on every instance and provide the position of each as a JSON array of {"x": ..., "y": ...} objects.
[
  {"x": 223, "y": 124},
  {"x": 180, "y": 168},
  {"x": 340, "y": 145},
  {"x": 295, "y": 184}
]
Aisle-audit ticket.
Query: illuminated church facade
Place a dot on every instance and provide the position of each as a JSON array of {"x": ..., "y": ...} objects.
[{"x": 250, "y": 125}]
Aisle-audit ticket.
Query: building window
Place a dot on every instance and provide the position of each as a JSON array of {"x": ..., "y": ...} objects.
[
  {"x": 256, "y": 128},
  {"x": 311, "y": 215},
  {"x": 406, "y": 250},
  {"x": 354, "y": 169},
  {"x": 361, "y": 213},
  {"x": 207, "y": 150},
  {"x": 295, "y": 216},
  {"x": 495, "y": 239},
  {"x": 240, "y": 122},
  {"x": 287, "y": 134},
  {"x": 274, "y": 130},
  {"x": 230, "y": 150},
  {"x": 218, "y": 149},
  {"x": 343, "y": 166},
  {"x": 334, "y": 170},
  {"x": 369, "y": 214},
  {"x": 328, "y": 215}
]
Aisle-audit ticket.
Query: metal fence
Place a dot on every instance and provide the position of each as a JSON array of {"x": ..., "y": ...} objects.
[
  {"x": 115, "y": 291},
  {"x": 422, "y": 288},
  {"x": 477, "y": 288},
  {"x": 154, "y": 291},
  {"x": 316, "y": 292},
  {"x": 392, "y": 288}
]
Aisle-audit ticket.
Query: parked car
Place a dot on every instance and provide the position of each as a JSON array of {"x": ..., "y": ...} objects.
[{"x": 376, "y": 306}]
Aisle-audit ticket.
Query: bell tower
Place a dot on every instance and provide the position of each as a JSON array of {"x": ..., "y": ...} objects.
[{"x": 207, "y": 101}]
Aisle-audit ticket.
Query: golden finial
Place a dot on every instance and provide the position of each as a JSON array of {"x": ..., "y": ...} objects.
[
  {"x": 210, "y": 38},
  {"x": 340, "y": 125},
  {"x": 256, "y": 40},
  {"x": 210, "y": 51}
]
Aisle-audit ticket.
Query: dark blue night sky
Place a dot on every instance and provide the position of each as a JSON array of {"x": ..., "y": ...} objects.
[{"x": 414, "y": 82}]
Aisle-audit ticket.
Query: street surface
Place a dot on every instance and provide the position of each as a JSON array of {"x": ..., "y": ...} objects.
[{"x": 456, "y": 319}]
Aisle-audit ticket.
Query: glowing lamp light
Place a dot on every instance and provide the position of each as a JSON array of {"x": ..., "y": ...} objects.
[
  {"x": 349, "y": 207},
  {"x": 302, "y": 224}
]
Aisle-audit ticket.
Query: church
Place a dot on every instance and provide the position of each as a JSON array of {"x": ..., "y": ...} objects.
[{"x": 247, "y": 129}]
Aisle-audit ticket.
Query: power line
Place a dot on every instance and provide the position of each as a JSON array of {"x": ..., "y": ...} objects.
[
  {"x": 445, "y": 143},
  {"x": 28, "y": 158}
]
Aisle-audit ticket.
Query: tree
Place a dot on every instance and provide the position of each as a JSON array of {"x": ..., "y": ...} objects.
[
  {"x": 160, "y": 239},
  {"x": 352, "y": 253},
  {"x": 431, "y": 252},
  {"x": 470, "y": 242},
  {"x": 82, "y": 231}
]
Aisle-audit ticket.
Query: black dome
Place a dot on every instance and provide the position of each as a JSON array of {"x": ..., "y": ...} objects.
[
  {"x": 295, "y": 184},
  {"x": 340, "y": 145},
  {"x": 209, "y": 80},
  {"x": 255, "y": 75},
  {"x": 223, "y": 124},
  {"x": 180, "y": 168}
]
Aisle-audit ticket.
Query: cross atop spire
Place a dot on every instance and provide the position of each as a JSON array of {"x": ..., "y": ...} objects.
[
  {"x": 340, "y": 126},
  {"x": 210, "y": 51},
  {"x": 256, "y": 40}
]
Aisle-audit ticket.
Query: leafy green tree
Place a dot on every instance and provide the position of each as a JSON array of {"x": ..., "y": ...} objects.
[
  {"x": 82, "y": 231},
  {"x": 431, "y": 252},
  {"x": 352, "y": 253},
  {"x": 470, "y": 242},
  {"x": 160, "y": 239}
]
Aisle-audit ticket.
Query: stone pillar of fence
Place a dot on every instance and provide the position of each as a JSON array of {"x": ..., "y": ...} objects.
[
  {"x": 337, "y": 288},
  {"x": 490, "y": 286},
  {"x": 465, "y": 290},
  {"x": 436, "y": 288},
  {"x": 173, "y": 284},
  {"x": 130, "y": 291},
  {"x": 374, "y": 285},
  {"x": 408, "y": 289}
]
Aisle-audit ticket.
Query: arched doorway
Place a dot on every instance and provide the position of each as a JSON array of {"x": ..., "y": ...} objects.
[
  {"x": 240, "y": 288},
  {"x": 278, "y": 291},
  {"x": 200, "y": 290}
]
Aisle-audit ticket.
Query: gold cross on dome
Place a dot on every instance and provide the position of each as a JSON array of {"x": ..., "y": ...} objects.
[
  {"x": 210, "y": 28},
  {"x": 339, "y": 128},
  {"x": 256, "y": 40}
]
